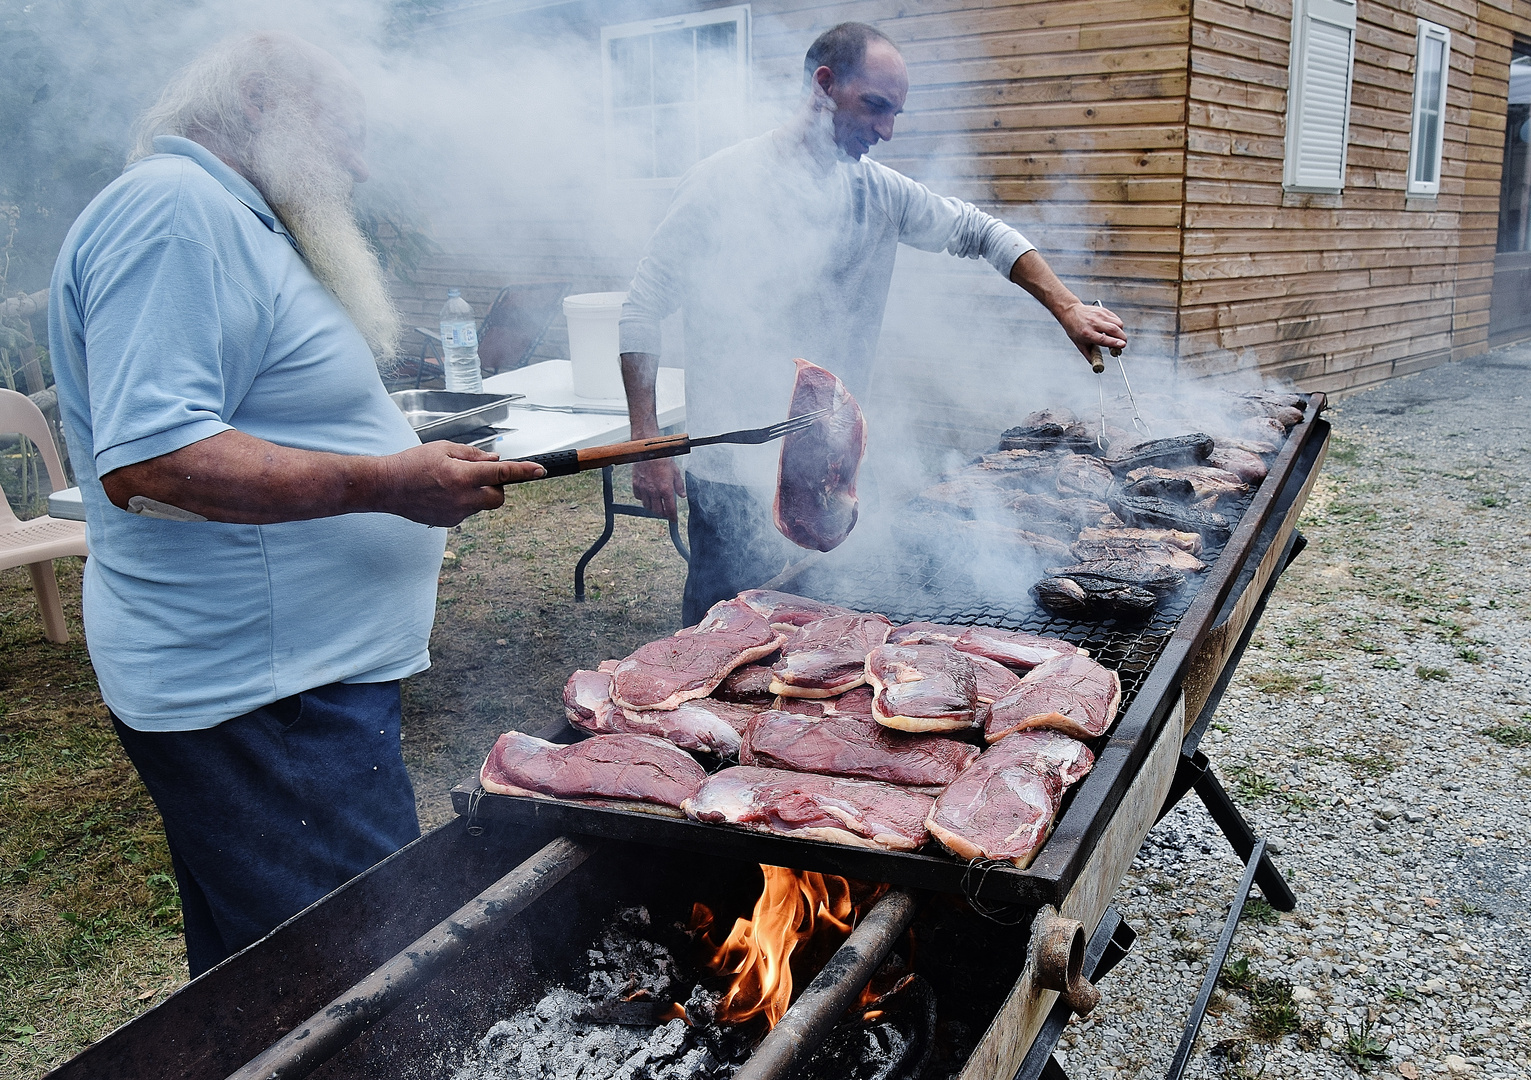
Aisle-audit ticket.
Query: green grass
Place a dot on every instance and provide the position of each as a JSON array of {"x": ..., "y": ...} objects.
[
  {"x": 1260, "y": 911},
  {"x": 1372, "y": 765},
  {"x": 1250, "y": 784},
  {"x": 1361, "y": 1048},
  {"x": 1275, "y": 682},
  {"x": 1516, "y": 735},
  {"x": 1272, "y": 1010},
  {"x": 1432, "y": 674}
]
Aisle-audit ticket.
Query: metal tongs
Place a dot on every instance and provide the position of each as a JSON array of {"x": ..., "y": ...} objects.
[
  {"x": 1098, "y": 365},
  {"x": 569, "y": 462}
]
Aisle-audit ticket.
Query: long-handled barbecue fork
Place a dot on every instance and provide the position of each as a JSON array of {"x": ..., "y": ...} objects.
[{"x": 568, "y": 462}]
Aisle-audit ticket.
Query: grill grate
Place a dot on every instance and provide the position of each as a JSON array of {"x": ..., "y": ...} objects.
[{"x": 925, "y": 586}]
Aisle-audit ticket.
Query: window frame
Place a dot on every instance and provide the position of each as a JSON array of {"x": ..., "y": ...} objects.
[
  {"x": 1422, "y": 188},
  {"x": 1339, "y": 13},
  {"x": 738, "y": 14}
]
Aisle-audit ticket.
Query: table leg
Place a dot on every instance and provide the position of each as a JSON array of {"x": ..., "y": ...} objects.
[{"x": 611, "y": 508}]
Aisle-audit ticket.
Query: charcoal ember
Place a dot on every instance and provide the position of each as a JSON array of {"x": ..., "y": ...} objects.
[
  {"x": 627, "y": 966},
  {"x": 889, "y": 1039},
  {"x": 1166, "y": 453},
  {"x": 1151, "y": 513},
  {"x": 1094, "y": 598}
]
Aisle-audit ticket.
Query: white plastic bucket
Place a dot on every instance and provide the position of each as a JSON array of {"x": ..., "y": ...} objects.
[{"x": 593, "y": 344}]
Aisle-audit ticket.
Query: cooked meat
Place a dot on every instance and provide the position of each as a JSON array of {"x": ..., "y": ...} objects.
[
  {"x": 747, "y": 685},
  {"x": 1082, "y": 474},
  {"x": 1031, "y": 470},
  {"x": 1246, "y": 466},
  {"x": 991, "y": 538},
  {"x": 1185, "y": 541},
  {"x": 1260, "y": 434},
  {"x": 816, "y": 485},
  {"x": 848, "y": 744},
  {"x": 1286, "y": 409},
  {"x": 1014, "y": 648},
  {"x": 1119, "y": 548},
  {"x": 1004, "y": 804},
  {"x": 1185, "y": 482},
  {"x": 638, "y": 768},
  {"x": 702, "y": 724},
  {"x": 1133, "y": 569},
  {"x": 994, "y": 680},
  {"x": 1072, "y": 694},
  {"x": 1166, "y": 453},
  {"x": 785, "y": 611},
  {"x": 922, "y": 688},
  {"x": 1146, "y": 512},
  {"x": 963, "y": 497},
  {"x": 864, "y": 813},
  {"x": 1048, "y": 429},
  {"x": 828, "y": 656},
  {"x": 1075, "y": 513},
  {"x": 1094, "y": 598},
  {"x": 690, "y": 664}
]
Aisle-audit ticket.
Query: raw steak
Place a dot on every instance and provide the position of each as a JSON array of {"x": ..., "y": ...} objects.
[
  {"x": 864, "y": 813},
  {"x": 828, "y": 656},
  {"x": 664, "y": 673},
  {"x": 816, "y": 485},
  {"x": 845, "y": 744},
  {"x": 633, "y": 767},
  {"x": 1004, "y": 804},
  {"x": 1072, "y": 694},
  {"x": 1014, "y": 648},
  {"x": 702, "y": 724},
  {"x": 747, "y": 685},
  {"x": 994, "y": 679},
  {"x": 785, "y": 611},
  {"x": 922, "y": 688}
]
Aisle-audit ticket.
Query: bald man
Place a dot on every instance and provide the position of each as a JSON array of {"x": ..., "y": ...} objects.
[{"x": 783, "y": 246}]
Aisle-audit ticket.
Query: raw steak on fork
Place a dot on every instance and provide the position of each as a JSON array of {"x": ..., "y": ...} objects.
[{"x": 816, "y": 485}]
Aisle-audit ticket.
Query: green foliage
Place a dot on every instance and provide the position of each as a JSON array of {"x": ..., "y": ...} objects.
[
  {"x": 1510, "y": 734},
  {"x": 1361, "y": 1047},
  {"x": 1432, "y": 674}
]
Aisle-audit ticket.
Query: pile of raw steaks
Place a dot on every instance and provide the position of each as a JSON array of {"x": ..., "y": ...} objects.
[{"x": 844, "y": 727}]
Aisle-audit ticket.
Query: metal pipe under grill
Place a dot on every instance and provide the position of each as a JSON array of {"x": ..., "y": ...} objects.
[
  {"x": 833, "y": 989},
  {"x": 332, "y": 1028}
]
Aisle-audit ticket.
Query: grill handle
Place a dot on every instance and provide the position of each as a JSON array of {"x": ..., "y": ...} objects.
[{"x": 569, "y": 462}]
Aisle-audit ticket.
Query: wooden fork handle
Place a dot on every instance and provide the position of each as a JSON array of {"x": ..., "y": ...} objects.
[{"x": 568, "y": 462}]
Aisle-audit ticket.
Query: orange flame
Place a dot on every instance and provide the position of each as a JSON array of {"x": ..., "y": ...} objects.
[
  {"x": 676, "y": 1011},
  {"x": 794, "y": 908}
]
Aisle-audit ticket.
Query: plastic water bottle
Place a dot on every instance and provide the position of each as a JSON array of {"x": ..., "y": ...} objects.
[{"x": 459, "y": 346}]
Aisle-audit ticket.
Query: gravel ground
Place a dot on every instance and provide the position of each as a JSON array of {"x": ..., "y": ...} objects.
[{"x": 1379, "y": 734}]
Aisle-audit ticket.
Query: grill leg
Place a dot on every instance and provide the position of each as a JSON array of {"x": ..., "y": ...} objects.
[
  {"x": 1215, "y": 967},
  {"x": 1243, "y": 839},
  {"x": 1112, "y": 940}
]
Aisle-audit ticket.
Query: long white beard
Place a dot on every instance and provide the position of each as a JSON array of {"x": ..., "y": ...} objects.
[{"x": 311, "y": 192}]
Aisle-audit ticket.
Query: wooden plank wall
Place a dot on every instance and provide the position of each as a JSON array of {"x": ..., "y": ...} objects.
[{"x": 1336, "y": 292}]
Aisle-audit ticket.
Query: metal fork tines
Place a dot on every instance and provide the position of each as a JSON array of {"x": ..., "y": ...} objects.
[{"x": 765, "y": 434}]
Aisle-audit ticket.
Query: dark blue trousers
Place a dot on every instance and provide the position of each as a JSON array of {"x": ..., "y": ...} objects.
[
  {"x": 267, "y": 812},
  {"x": 734, "y": 545}
]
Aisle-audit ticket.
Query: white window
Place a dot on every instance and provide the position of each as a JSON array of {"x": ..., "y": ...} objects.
[
  {"x": 1318, "y": 94},
  {"x": 676, "y": 90},
  {"x": 1432, "y": 62}
]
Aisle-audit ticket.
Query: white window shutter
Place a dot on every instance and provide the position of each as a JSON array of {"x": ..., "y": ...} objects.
[{"x": 1318, "y": 97}]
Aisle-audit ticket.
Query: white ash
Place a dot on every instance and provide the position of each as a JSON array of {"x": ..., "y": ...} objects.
[{"x": 628, "y": 966}]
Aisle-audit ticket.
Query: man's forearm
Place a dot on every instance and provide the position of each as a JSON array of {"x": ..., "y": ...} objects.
[
  {"x": 639, "y": 372},
  {"x": 236, "y": 478},
  {"x": 1032, "y": 273}
]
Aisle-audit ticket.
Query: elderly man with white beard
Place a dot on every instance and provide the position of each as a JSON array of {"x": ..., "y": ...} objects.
[{"x": 264, "y": 525}]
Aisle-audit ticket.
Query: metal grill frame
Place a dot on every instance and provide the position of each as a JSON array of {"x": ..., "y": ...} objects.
[{"x": 1158, "y": 672}]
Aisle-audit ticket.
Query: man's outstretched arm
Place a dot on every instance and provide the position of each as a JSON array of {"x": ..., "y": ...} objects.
[
  {"x": 1086, "y": 325},
  {"x": 237, "y": 478}
]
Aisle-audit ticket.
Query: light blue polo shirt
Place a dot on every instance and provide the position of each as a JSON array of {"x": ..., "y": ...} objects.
[{"x": 180, "y": 308}]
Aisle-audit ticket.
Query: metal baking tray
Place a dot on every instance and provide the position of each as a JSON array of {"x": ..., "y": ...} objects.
[{"x": 441, "y": 414}]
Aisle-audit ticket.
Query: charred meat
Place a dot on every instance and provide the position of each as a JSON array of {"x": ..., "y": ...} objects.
[
  {"x": 1120, "y": 548},
  {"x": 1049, "y": 429},
  {"x": 1094, "y": 598},
  {"x": 1147, "y": 512},
  {"x": 1134, "y": 569},
  {"x": 1166, "y": 453},
  {"x": 1082, "y": 475},
  {"x": 1185, "y": 483},
  {"x": 1247, "y": 466},
  {"x": 1185, "y": 541}
]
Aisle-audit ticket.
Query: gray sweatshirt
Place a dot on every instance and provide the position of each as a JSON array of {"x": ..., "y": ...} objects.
[{"x": 768, "y": 258}]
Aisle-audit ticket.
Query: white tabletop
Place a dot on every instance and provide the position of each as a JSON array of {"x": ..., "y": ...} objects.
[
  {"x": 551, "y": 383},
  {"x": 548, "y": 383}
]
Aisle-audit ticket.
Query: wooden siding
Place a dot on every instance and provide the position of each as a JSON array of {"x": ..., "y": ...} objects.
[
  {"x": 1139, "y": 144},
  {"x": 1336, "y": 292}
]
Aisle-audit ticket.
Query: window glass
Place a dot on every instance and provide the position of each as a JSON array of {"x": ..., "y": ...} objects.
[{"x": 1515, "y": 180}]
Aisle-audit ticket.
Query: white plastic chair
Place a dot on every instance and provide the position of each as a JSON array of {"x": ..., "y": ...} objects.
[{"x": 36, "y": 543}]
